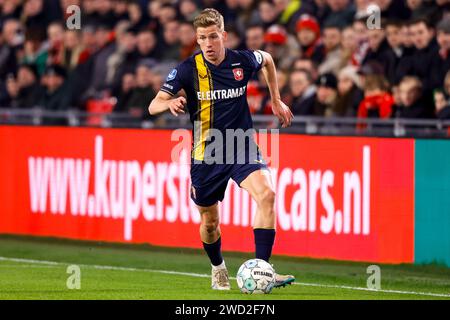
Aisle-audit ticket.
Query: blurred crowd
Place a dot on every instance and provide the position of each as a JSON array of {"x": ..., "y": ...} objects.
[{"x": 334, "y": 58}]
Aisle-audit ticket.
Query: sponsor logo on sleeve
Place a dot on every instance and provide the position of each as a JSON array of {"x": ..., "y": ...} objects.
[
  {"x": 258, "y": 56},
  {"x": 172, "y": 75}
]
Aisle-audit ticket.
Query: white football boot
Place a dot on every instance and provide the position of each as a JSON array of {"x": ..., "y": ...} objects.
[
  {"x": 219, "y": 277},
  {"x": 283, "y": 280}
]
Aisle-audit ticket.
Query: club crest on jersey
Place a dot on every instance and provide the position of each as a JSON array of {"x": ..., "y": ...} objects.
[{"x": 238, "y": 74}]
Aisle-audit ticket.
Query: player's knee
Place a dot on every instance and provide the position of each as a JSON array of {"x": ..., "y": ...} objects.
[
  {"x": 211, "y": 225},
  {"x": 267, "y": 198},
  {"x": 210, "y": 222}
]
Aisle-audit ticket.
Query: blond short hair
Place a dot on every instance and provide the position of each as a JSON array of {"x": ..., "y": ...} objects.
[
  {"x": 411, "y": 82},
  {"x": 209, "y": 17},
  {"x": 375, "y": 82}
]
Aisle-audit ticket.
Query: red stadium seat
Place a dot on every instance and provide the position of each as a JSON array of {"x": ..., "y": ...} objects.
[{"x": 98, "y": 108}]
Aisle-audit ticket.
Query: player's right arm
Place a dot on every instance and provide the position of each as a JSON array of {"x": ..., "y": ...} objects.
[
  {"x": 174, "y": 83},
  {"x": 164, "y": 101}
]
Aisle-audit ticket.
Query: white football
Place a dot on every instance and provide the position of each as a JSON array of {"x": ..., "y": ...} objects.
[{"x": 255, "y": 276}]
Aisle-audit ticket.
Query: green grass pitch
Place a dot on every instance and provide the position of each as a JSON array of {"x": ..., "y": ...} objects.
[{"x": 36, "y": 268}]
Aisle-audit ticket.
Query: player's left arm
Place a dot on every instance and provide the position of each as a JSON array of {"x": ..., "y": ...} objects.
[{"x": 279, "y": 108}]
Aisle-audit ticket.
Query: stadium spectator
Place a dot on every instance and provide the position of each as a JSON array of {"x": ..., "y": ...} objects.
[
  {"x": 283, "y": 83},
  {"x": 98, "y": 65},
  {"x": 35, "y": 50},
  {"x": 397, "y": 57},
  {"x": 349, "y": 47},
  {"x": 105, "y": 13},
  {"x": 443, "y": 39},
  {"x": 246, "y": 16},
  {"x": 341, "y": 13},
  {"x": 369, "y": 69},
  {"x": 188, "y": 10},
  {"x": 11, "y": 41},
  {"x": 426, "y": 57},
  {"x": 377, "y": 102},
  {"x": 361, "y": 8},
  {"x": 56, "y": 94},
  {"x": 159, "y": 74},
  {"x": 55, "y": 32},
  {"x": 120, "y": 9},
  {"x": 349, "y": 91},
  {"x": 303, "y": 92},
  {"x": 124, "y": 92},
  {"x": 136, "y": 16},
  {"x": 123, "y": 60},
  {"x": 308, "y": 36},
  {"x": 80, "y": 77},
  {"x": 147, "y": 45},
  {"x": 308, "y": 65},
  {"x": 73, "y": 53},
  {"x": 254, "y": 37},
  {"x": 257, "y": 99},
  {"x": 421, "y": 9},
  {"x": 88, "y": 12},
  {"x": 88, "y": 40},
  {"x": 442, "y": 105},
  {"x": 142, "y": 94},
  {"x": 378, "y": 47},
  {"x": 188, "y": 40},
  {"x": 105, "y": 36},
  {"x": 333, "y": 52},
  {"x": 34, "y": 16},
  {"x": 153, "y": 9},
  {"x": 411, "y": 100},
  {"x": 228, "y": 8},
  {"x": 267, "y": 13},
  {"x": 320, "y": 10},
  {"x": 406, "y": 36},
  {"x": 23, "y": 91},
  {"x": 10, "y": 10},
  {"x": 393, "y": 9},
  {"x": 233, "y": 39},
  {"x": 326, "y": 96},
  {"x": 361, "y": 33},
  {"x": 8, "y": 91},
  {"x": 117, "y": 35},
  {"x": 281, "y": 46},
  {"x": 167, "y": 13},
  {"x": 171, "y": 44}
]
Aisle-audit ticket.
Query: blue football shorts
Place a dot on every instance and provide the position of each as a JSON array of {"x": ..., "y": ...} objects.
[{"x": 209, "y": 181}]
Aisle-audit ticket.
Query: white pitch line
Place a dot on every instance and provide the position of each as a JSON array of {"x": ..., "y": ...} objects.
[
  {"x": 202, "y": 275},
  {"x": 373, "y": 290}
]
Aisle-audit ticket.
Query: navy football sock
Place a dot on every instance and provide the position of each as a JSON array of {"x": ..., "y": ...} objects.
[
  {"x": 214, "y": 251},
  {"x": 264, "y": 239}
]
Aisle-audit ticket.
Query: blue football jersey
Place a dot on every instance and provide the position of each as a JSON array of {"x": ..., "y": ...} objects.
[{"x": 216, "y": 95}]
